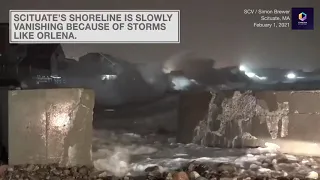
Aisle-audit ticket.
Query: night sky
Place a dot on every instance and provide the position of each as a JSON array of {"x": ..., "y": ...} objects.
[{"x": 215, "y": 29}]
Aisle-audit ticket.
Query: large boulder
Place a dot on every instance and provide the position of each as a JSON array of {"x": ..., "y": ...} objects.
[
  {"x": 47, "y": 126},
  {"x": 288, "y": 119}
]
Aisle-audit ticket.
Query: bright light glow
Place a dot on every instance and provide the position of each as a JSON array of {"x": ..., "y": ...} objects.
[
  {"x": 291, "y": 76},
  {"x": 108, "y": 77},
  {"x": 263, "y": 78},
  {"x": 167, "y": 70},
  {"x": 61, "y": 120},
  {"x": 242, "y": 68},
  {"x": 181, "y": 83},
  {"x": 250, "y": 74},
  {"x": 253, "y": 75},
  {"x": 60, "y": 116},
  {"x": 55, "y": 77},
  {"x": 194, "y": 81}
]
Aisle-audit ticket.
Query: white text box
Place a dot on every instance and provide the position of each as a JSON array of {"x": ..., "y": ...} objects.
[{"x": 94, "y": 26}]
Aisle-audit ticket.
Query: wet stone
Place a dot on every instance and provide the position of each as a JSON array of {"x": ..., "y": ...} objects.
[
  {"x": 30, "y": 167},
  {"x": 10, "y": 169},
  {"x": 3, "y": 170},
  {"x": 191, "y": 166},
  {"x": 180, "y": 176},
  {"x": 200, "y": 168},
  {"x": 267, "y": 160},
  {"x": 152, "y": 168},
  {"x": 41, "y": 172},
  {"x": 286, "y": 159},
  {"x": 83, "y": 171},
  {"x": 56, "y": 172},
  {"x": 250, "y": 173},
  {"x": 226, "y": 178},
  {"x": 66, "y": 172},
  {"x": 292, "y": 158},
  {"x": 277, "y": 174},
  {"x": 254, "y": 167},
  {"x": 266, "y": 165},
  {"x": 169, "y": 176},
  {"x": 192, "y": 171},
  {"x": 194, "y": 175},
  {"x": 154, "y": 173},
  {"x": 285, "y": 167},
  {"x": 70, "y": 178},
  {"x": 312, "y": 175},
  {"x": 54, "y": 178},
  {"x": 226, "y": 168},
  {"x": 103, "y": 175},
  {"x": 32, "y": 177}
]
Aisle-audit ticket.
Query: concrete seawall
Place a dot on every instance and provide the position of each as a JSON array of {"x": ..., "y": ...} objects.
[
  {"x": 47, "y": 126},
  {"x": 289, "y": 119}
]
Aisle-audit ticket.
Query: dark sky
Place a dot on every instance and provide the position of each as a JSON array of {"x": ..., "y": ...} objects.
[{"x": 216, "y": 29}]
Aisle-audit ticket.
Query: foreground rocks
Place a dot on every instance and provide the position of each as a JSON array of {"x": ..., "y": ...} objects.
[
  {"x": 51, "y": 172},
  {"x": 250, "y": 166},
  {"x": 260, "y": 166}
]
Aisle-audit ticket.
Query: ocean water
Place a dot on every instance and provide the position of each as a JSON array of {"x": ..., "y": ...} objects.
[
  {"x": 125, "y": 153},
  {"x": 130, "y": 142}
]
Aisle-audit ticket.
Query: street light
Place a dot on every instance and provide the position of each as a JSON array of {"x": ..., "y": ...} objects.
[
  {"x": 291, "y": 76},
  {"x": 242, "y": 68}
]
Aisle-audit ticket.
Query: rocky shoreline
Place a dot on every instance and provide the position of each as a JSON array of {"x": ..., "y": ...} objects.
[{"x": 269, "y": 166}]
